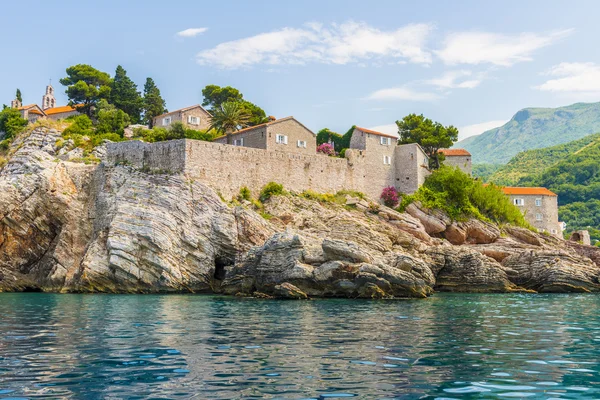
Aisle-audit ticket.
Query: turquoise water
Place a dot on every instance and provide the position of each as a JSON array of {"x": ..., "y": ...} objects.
[{"x": 447, "y": 347}]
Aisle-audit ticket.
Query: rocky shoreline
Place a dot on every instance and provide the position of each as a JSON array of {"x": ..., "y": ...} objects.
[{"x": 66, "y": 226}]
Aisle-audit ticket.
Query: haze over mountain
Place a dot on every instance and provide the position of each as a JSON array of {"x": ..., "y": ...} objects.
[{"x": 533, "y": 128}]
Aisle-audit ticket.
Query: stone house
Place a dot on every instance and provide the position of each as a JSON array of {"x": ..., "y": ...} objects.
[
  {"x": 33, "y": 112},
  {"x": 193, "y": 117},
  {"x": 285, "y": 134},
  {"x": 460, "y": 158},
  {"x": 539, "y": 206},
  {"x": 404, "y": 167}
]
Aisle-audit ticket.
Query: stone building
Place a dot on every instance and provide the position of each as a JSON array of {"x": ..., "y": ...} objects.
[
  {"x": 33, "y": 112},
  {"x": 460, "y": 158},
  {"x": 285, "y": 134},
  {"x": 539, "y": 206},
  {"x": 194, "y": 117},
  {"x": 404, "y": 167}
]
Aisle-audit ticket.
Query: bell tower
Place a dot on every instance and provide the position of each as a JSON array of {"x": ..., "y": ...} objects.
[{"x": 48, "y": 100}]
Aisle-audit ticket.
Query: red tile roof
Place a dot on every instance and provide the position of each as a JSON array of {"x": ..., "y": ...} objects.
[
  {"x": 59, "y": 110},
  {"x": 266, "y": 124},
  {"x": 454, "y": 152},
  {"x": 540, "y": 191},
  {"x": 365, "y": 130}
]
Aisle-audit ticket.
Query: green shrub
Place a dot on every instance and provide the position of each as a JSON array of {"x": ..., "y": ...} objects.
[
  {"x": 111, "y": 119},
  {"x": 11, "y": 122},
  {"x": 320, "y": 197},
  {"x": 3, "y": 162},
  {"x": 81, "y": 125},
  {"x": 461, "y": 197},
  {"x": 245, "y": 194},
  {"x": 269, "y": 190},
  {"x": 5, "y": 144}
]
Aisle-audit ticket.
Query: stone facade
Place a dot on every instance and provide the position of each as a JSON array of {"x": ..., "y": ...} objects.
[
  {"x": 63, "y": 112},
  {"x": 539, "y": 206},
  {"x": 582, "y": 237},
  {"x": 31, "y": 113},
  {"x": 293, "y": 137},
  {"x": 194, "y": 117},
  {"x": 388, "y": 164},
  {"x": 368, "y": 167},
  {"x": 48, "y": 99},
  {"x": 460, "y": 158}
]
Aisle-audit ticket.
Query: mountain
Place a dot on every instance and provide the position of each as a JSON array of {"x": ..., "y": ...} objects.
[
  {"x": 570, "y": 170},
  {"x": 533, "y": 128},
  {"x": 533, "y": 162}
]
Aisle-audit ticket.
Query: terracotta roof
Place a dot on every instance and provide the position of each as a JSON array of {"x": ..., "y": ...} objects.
[
  {"x": 27, "y": 107},
  {"x": 266, "y": 124},
  {"x": 365, "y": 130},
  {"x": 34, "y": 111},
  {"x": 59, "y": 110},
  {"x": 182, "y": 110},
  {"x": 454, "y": 152},
  {"x": 540, "y": 191}
]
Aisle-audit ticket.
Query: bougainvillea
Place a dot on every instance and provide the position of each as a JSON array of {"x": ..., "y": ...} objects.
[
  {"x": 389, "y": 195},
  {"x": 326, "y": 149}
]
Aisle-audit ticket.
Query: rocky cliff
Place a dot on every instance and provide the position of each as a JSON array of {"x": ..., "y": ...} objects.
[{"x": 67, "y": 226}]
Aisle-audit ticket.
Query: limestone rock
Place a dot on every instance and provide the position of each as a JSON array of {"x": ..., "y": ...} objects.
[
  {"x": 432, "y": 223},
  {"x": 288, "y": 291}
]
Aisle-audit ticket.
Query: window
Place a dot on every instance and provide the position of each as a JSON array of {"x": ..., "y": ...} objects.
[
  {"x": 193, "y": 120},
  {"x": 166, "y": 121},
  {"x": 554, "y": 231},
  {"x": 387, "y": 160},
  {"x": 538, "y": 217},
  {"x": 302, "y": 143},
  {"x": 538, "y": 202},
  {"x": 519, "y": 202},
  {"x": 238, "y": 142},
  {"x": 385, "y": 141},
  {"x": 281, "y": 139}
]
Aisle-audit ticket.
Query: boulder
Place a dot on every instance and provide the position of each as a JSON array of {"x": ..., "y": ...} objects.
[{"x": 288, "y": 291}]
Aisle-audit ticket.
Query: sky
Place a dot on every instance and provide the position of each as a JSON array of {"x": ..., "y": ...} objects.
[{"x": 334, "y": 64}]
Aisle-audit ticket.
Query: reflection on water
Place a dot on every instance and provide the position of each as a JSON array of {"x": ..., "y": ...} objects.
[{"x": 446, "y": 347}]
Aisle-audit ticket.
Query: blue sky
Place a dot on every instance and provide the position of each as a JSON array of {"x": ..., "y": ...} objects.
[{"x": 331, "y": 64}]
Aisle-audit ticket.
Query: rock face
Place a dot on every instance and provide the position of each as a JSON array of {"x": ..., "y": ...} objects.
[{"x": 70, "y": 227}]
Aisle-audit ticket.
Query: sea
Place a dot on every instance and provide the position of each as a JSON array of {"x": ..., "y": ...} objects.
[{"x": 448, "y": 346}]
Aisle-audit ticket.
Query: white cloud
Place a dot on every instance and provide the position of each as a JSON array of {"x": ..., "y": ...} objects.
[
  {"x": 191, "y": 32},
  {"x": 494, "y": 48},
  {"x": 403, "y": 93},
  {"x": 456, "y": 80},
  {"x": 581, "y": 78},
  {"x": 350, "y": 42},
  {"x": 477, "y": 129}
]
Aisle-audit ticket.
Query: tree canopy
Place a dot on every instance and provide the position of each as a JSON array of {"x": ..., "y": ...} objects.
[
  {"x": 86, "y": 86},
  {"x": 431, "y": 136},
  {"x": 229, "y": 117},
  {"x": 215, "y": 96},
  {"x": 11, "y": 122},
  {"x": 125, "y": 96},
  {"x": 111, "y": 119},
  {"x": 18, "y": 96},
  {"x": 153, "y": 102}
]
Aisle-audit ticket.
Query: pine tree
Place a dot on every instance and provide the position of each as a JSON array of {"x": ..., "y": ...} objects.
[
  {"x": 125, "y": 96},
  {"x": 154, "y": 104},
  {"x": 19, "y": 97}
]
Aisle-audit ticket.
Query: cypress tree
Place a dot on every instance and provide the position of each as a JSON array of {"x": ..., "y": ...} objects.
[
  {"x": 19, "y": 96},
  {"x": 125, "y": 96},
  {"x": 154, "y": 104}
]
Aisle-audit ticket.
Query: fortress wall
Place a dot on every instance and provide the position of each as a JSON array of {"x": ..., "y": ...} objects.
[
  {"x": 228, "y": 168},
  {"x": 162, "y": 156}
]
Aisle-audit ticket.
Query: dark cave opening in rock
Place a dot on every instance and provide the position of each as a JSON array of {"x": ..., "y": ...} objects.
[{"x": 220, "y": 264}]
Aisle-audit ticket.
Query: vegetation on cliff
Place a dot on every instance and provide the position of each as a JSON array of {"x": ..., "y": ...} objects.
[
  {"x": 462, "y": 197},
  {"x": 534, "y": 128}
]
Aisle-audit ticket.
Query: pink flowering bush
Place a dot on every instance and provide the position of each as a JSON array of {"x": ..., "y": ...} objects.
[
  {"x": 389, "y": 195},
  {"x": 326, "y": 149}
]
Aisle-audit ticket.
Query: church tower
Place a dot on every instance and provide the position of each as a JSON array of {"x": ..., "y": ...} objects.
[
  {"x": 15, "y": 103},
  {"x": 48, "y": 100}
]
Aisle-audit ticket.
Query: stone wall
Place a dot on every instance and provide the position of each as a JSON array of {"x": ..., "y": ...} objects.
[
  {"x": 462, "y": 162},
  {"x": 228, "y": 168}
]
